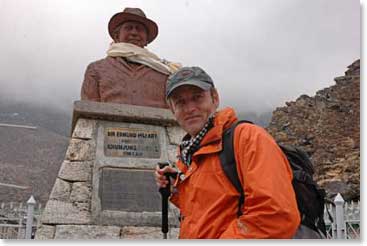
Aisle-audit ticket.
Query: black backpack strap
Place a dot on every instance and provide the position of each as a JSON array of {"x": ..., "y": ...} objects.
[
  {"x": 303, "y": 177},
  {"x": 228, "y": 162}
]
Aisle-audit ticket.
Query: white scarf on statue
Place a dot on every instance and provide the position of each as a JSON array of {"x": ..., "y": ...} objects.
[{"x": 143, "y": 56}]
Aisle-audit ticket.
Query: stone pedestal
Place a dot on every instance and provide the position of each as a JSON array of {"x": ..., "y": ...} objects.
[{"x": 105, "y": 188}]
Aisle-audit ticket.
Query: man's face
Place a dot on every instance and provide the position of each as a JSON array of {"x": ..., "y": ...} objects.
[
  {"x": 134, "y": 33},
  {"x": 192, "y": 107}
]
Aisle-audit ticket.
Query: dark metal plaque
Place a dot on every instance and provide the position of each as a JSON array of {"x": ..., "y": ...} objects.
[
  {"x": 132, "y": 143},
  {"x": 128, "y": 190}
]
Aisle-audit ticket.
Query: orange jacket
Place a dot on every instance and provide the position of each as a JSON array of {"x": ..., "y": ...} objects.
[{"x": 208, "y": 201}]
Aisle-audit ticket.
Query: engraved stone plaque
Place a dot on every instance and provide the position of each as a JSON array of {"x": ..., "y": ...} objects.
[
  {"x": 130, "y": 142},
  {"x": 128, "y": 190}
]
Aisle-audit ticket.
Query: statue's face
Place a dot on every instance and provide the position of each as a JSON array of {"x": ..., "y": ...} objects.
[{"x": 134, "y": 33}]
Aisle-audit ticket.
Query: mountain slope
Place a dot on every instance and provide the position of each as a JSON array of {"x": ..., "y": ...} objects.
[{"x": 30, "y": 157}]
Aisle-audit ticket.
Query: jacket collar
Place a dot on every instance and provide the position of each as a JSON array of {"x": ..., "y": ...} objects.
[{"x": 212, "y": 142}]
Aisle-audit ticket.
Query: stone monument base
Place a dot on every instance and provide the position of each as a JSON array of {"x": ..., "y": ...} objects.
[{"x": 105, "y": 187}]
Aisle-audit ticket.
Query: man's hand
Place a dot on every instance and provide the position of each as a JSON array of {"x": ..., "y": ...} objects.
[{"x": 160, "y": 177}]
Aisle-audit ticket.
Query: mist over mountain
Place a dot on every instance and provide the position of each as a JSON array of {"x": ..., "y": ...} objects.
[
  {"x": 260, "y": 54},
  {"x": 261, "y": 119},
  {"x": 34, "y": 114}
]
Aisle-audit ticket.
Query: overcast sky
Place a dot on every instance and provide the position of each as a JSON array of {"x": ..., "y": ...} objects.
[{"x": 260, "y": 53}]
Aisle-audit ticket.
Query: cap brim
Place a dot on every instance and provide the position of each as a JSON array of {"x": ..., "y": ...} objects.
[{"x": 198, "y": 83}]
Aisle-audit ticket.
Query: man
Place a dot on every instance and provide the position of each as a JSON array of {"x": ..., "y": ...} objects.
[
  {"x": 208, "y": 202},
  {"x": 130, "y": 74}
]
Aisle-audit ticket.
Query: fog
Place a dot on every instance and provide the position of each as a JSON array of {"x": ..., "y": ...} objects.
[{"x": 259, "y": 53}]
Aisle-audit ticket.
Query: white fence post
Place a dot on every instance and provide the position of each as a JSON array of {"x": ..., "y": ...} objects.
[
  {"x": 28, "y": 230},
  {"x": 333, "y": 225},
  {"x": 20, "y": 222},
  {"x": 339, "y": 208}
]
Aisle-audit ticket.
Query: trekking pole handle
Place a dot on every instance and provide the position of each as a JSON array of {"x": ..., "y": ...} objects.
[
  {"x": 165, "y": 191},
  {"x": 168, "y": 174}
]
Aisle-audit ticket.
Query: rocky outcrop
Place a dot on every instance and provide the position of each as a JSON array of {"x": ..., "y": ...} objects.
[{"x": 327, "y": 127}]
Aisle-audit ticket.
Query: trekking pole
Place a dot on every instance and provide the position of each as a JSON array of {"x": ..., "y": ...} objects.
[{"x": 165, "y": 193}]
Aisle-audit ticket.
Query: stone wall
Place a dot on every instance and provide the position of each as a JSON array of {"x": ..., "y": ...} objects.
[
  {"x": 71, "y": 211},
  {"x": 327, "y": 127}
]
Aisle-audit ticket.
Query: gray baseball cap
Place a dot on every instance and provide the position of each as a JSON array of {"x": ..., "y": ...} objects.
[{"x": 189, "y": 76}]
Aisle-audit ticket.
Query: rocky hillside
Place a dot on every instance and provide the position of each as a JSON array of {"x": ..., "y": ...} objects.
[{"x": 327, "y": 126}]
